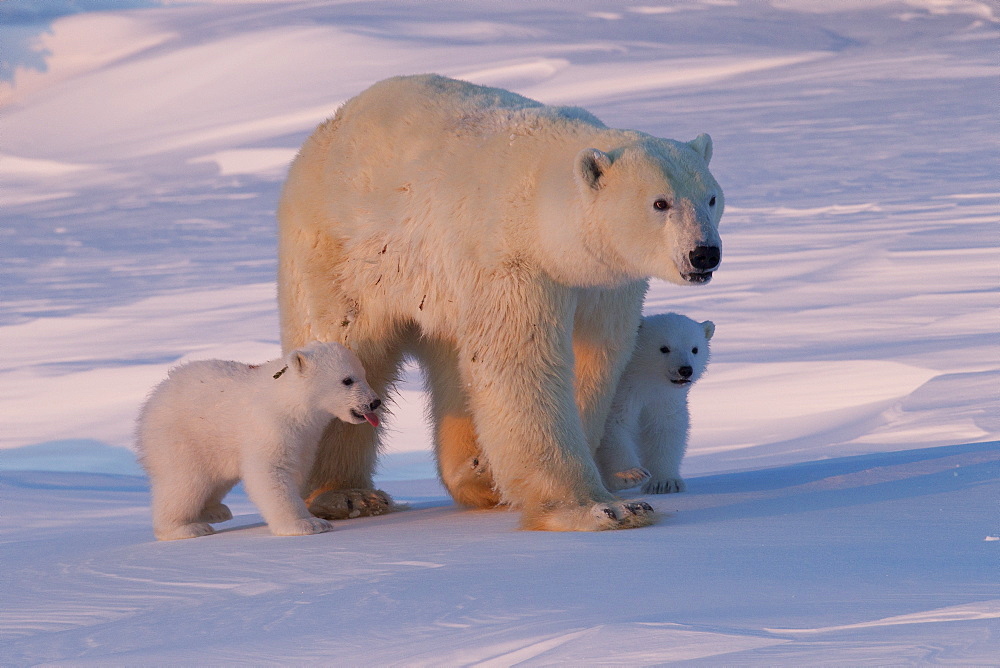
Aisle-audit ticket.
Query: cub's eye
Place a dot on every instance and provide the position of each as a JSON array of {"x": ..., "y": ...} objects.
[
  {"x": 664, "y": 350},
  {"x": 661, "y": 205},
  {"x": 694, "y": 351},
  {"x": 348, "y": 381},
  {"x": 711, "y": 202}
]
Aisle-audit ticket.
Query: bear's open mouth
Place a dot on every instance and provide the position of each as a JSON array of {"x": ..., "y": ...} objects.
[
  {"x": 697, "y": 277},
  {"x": 680, "y": 381}
]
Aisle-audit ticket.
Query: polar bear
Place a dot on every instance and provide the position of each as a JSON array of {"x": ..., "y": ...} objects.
[
  {"x": 647, "y": 430},
  {"x": 212, "y": 423},
  {"x": 507, "y": 246}
]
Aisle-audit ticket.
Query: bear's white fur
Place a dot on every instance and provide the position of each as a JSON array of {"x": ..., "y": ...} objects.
[
  {"x": 507, "y": 246},
  {"x": 647, "y": 430},
  {"x": 213, "y": 423}
]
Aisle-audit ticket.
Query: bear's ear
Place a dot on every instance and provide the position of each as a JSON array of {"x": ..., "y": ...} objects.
[
  {"x": 709, "y": 328},
  {"x": 591, "y": 165},
  {"x": 702, "y": 145}
]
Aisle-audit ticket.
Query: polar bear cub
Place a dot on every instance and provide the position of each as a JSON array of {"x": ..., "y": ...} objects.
[
  {"x": 646, "y": 434},
  {"x": 213, "y": 423}
]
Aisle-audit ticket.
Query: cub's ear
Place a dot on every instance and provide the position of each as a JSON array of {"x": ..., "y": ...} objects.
[
  {"x": 702, "y": 145},
  {"x": 591, "y": 165},
  {"x": 300, "y": 360},
  {"x": 709, "y": 328}
]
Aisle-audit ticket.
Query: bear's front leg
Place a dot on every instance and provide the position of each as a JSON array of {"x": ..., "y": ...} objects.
[
  {"x": 516, "y": 353},
  {"x": 605, "y": 325}
]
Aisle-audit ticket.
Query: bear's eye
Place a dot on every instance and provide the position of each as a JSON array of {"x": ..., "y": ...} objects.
[
  {"x": 711, "y": 202},
  {"x": 664, "y": 350},
  {"x": 348, "y": 381},
  {"x": 661, "y": 205},
  {"x": 694, "y": 351}
]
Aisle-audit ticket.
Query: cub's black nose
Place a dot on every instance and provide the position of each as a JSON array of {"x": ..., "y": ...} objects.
[
  {"x": 375, "y": 404},
  {"x": 685, "y": 371},
  {"x": 705, "y": 258}
]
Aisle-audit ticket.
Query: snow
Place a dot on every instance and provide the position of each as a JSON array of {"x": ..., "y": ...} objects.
[{"x": 844, "y": 469}]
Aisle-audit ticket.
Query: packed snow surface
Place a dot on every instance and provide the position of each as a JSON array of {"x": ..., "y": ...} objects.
[{"x": 844, "y": 468}]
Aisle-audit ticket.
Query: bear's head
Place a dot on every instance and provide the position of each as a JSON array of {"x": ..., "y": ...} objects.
[
  {"x": 333, "y": 381},
  {"x": 673, "y": 347},
  {"x": 652, "y": 208}
]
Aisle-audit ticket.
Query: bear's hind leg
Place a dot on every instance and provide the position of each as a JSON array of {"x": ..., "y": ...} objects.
[
  {"x": 215, "y": 511},
  {"x": 462, "y": 466},
  {"x": 177, "y": 508}
]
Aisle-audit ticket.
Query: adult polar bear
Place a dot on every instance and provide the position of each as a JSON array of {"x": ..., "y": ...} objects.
[{"x": 507, "y": 245}]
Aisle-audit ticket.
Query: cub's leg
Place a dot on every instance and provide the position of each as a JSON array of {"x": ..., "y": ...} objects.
[
  {"x": 664, "y": 441},
  {"x": 617, "y": 457},
  {"x": 215, "y": 511},
  {"x": 177, "y": 504},
  {"x": 274, "y": 488}
]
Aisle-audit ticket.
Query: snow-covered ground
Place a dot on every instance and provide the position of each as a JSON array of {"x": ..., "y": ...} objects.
[{"x": 844, "y": 471}]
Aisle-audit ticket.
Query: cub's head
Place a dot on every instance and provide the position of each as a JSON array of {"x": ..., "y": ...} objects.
[
  {"x": 673, "y": 347},
  {"x": 652, "y": 208},
  {"x": 334, "y": 381}
]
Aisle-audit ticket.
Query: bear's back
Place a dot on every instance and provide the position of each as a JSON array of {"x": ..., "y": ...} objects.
[{"x": 409, "y": 108}]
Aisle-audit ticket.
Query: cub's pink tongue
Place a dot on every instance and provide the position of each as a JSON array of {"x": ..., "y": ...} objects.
[{"x": 372, "y": 419}]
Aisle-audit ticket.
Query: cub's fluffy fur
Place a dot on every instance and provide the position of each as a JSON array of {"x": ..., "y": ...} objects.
[
  {"x": 213, "y": 423},
  {"x": 647, "y": 431}
]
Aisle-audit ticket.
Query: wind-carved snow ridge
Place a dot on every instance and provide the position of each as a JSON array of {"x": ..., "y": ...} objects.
[{"x": 844, "y": 462}]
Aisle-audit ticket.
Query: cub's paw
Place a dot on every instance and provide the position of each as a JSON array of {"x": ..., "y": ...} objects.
[
  {"x": 342, "y": 504},
  {"x": 596, "y": 517},
  {"x": 628, "y": 478},
  {"x": 302, "y": 527},
  {"x": 217, "y": 513},
  {"x": 664, "y": 486},
  {"x": 192, "y": 530}
]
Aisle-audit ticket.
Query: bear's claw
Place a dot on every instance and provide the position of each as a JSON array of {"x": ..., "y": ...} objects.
[
  {"x": 638, "y": 508},
  {"x": 665, "y": 486},
  {"x": 342, "y": 504}
]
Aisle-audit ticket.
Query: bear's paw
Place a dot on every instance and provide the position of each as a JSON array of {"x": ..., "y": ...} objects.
[
  {"x": 664, "y": 486},
  {"x": 303, "y": 527},
  {"x": 343, "y": 504},
  {"x": 628, "y": 478},
  {"x": 218, "y": 513},
  {"x": 596, "y": 517},
  {"x": 180, "y": 532}
]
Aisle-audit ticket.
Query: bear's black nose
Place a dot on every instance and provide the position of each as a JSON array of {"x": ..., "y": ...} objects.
[
  {"x": 685, "y": 371},
  {"x": 705, "y": 258},
  {"x": 375, "y": 404}
]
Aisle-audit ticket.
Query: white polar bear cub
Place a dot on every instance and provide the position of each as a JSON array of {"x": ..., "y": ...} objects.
[
  {"x": 646, "y": 434},
  {"x": 213, "y": 423}
]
